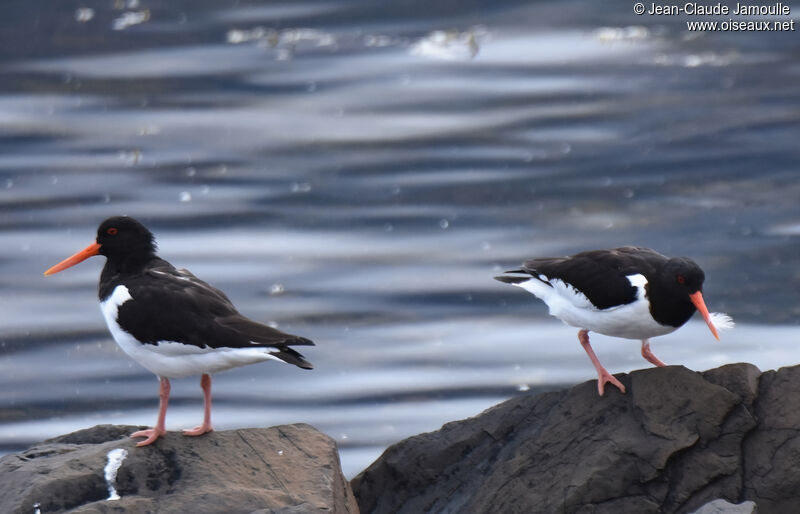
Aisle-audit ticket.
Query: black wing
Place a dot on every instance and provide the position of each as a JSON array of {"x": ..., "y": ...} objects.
[
  {"x": 601, "y": 275},
  {"x": 174, "y": 305}
]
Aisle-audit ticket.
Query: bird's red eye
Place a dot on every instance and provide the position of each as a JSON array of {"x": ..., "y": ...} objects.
[
  {"x": 681, "y": 279},
  {"x": 112, "y": 231}
]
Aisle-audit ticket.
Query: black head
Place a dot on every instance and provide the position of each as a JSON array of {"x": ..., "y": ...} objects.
[
  {"x": 682, "y": 276},
  {"x": 122, "y": 237},
  {"x": 125, "y": 242},
  {"x": 678, "y": 293}
]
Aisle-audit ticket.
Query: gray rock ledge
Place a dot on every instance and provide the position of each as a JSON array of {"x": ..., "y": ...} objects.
[
  {"x": 676, "y": 442},
  {"x": 288, "y": 469}
]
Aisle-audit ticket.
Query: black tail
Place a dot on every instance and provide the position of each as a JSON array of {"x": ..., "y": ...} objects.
[
  {"x": 292, "y": 356},
  {"x": 514, "y": 280}
]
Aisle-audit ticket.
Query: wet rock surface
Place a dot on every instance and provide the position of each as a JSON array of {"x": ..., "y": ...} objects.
[
  {"x": 286, "y": 469},
  {"x": 678, "y": 442}
]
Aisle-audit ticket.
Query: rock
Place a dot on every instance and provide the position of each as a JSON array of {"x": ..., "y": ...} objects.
[
  {"x": 287, "y": 469},
  {"x": 677, "y": 441}
]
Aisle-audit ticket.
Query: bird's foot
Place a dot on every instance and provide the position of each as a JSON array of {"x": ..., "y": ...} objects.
[
  {"x": 200, "y": 430},
  {"x": 603, "y": 378},
  {"x": 151, "y": 434},
  {"x": 648, "y": 354}
]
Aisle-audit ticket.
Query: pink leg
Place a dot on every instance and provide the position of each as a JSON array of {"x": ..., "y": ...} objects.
[
  {"x": 205, "y": 383},
  {"x": 603, "y": 376},
  {"x": 647, "y": 354},
  {"x": 157, "y": 431}
]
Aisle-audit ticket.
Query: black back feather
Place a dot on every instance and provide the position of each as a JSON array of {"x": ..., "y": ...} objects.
[
  {"x": 601, "y": 275},
  {"x": 182, "y": 308}
]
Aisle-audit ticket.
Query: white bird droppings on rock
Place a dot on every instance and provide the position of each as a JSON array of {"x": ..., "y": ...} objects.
[{"x": 115, "y": 458}]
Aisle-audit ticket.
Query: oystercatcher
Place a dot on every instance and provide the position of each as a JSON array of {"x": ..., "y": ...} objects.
[
  {"x": 170, "y": 321},
  {"x": 629, "y": 292}
]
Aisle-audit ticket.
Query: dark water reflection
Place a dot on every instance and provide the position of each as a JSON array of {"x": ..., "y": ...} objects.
[{"x": 344, "y": 171}]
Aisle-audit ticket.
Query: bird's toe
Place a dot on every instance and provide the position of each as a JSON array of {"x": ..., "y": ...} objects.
[
  {"x": 152, "y": 434},
  {"x": 199, "y": 430}
]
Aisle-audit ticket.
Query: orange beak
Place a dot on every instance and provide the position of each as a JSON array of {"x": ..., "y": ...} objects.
[
  {"x": 90, "y": 251},
  {"x": 697, "y": 300}
]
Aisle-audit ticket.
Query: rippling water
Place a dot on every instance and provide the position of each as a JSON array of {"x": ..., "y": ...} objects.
[{"x": 356, "y": 172}]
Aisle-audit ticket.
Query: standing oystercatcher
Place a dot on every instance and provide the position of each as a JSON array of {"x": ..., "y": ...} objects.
[
  {"x": 170, "y": 321},
  {"x": 629, "y": 292}
]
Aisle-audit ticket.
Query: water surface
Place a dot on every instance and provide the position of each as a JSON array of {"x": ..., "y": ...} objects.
[{"x": 356, "y": 173}]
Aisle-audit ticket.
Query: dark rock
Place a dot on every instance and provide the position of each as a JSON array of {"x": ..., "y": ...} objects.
[
  {"x": 280, "y": 470},
  {"x": 676, "y": 443}
]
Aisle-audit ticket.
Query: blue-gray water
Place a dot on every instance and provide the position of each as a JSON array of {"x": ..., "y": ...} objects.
[{"x": 346, "y": 171}]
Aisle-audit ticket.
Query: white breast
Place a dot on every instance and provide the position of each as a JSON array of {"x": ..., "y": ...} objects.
[
  {"x": 172, "y": 359},
  {"x": 630, "y": 321}
]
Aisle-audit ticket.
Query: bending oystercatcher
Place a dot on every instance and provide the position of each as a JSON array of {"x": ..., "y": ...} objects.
[
  {"x": 629, "y": 292},
  {"x": 170, "y": 321}
]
